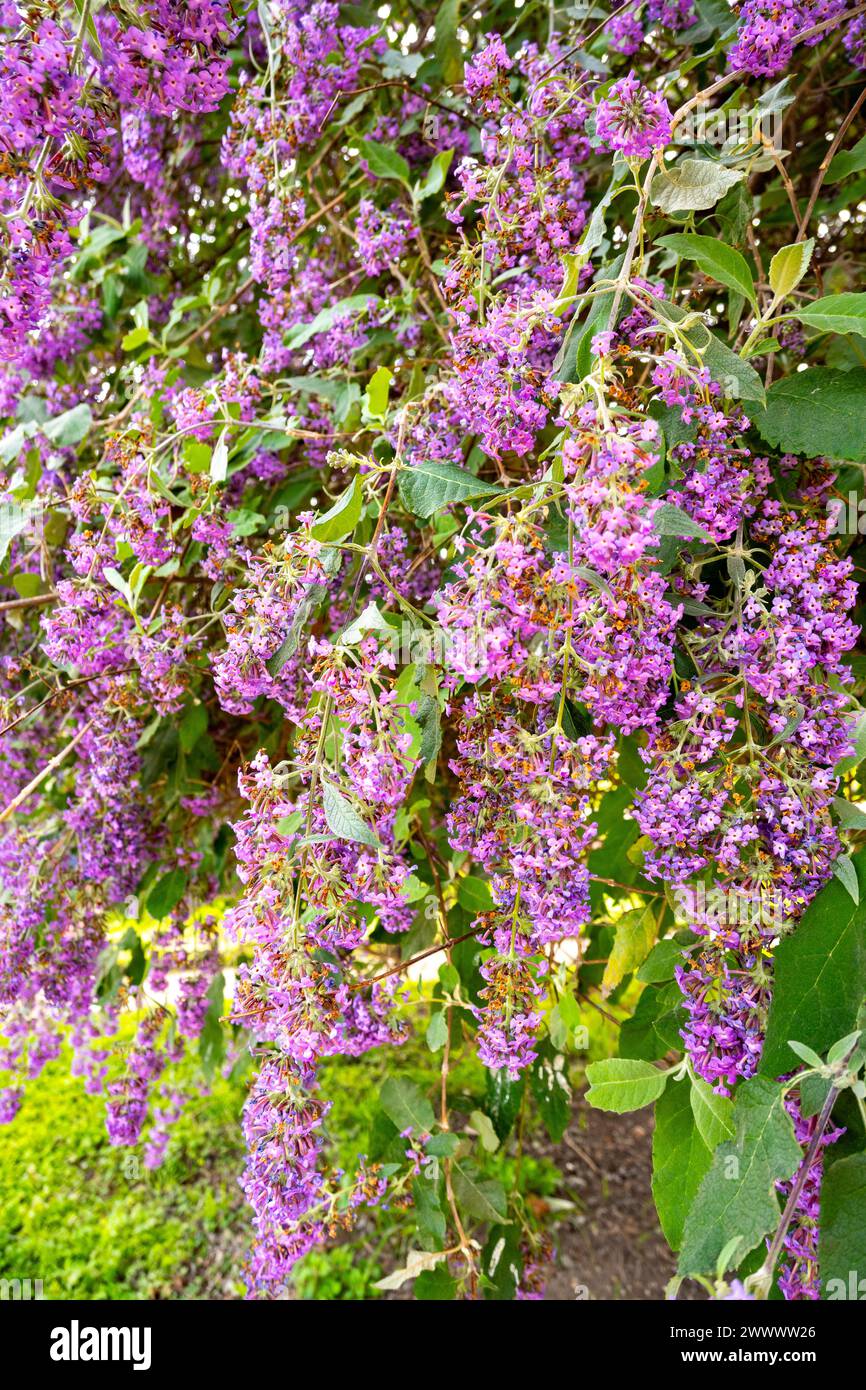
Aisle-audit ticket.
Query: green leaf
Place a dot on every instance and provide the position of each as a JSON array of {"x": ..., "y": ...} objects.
[
  {"x": 634, "y": 935},
  {"x": 844, "y": 870},
  {"x": 378, "y": 390},
  {"x": 486, "y": 1133},
  {"x": 371, "y": 620},
  {"x": 817, "y": 412},
  {"x": 385, "y": 163},
  {"x": 437, "y": 1031},
  {"x": 429, "y": 1216},
  {"x": 502, "y": 1100},
  {"x": 135, "y": 338},
  {"x": 714, "y": 1114},
  {"x": 681, "y": 1159},
  {"x": 448, "y": 48},
  {"x": 427, "y": 487},
  {"x": 341, "y": 519},
  {"x": 117, "y": 582},
  {"x": 806, "y": 1054},
  {"x": 789, "y": 265},
  {"x": 654, "y": 1028},
  {"x": 548, "y": 1080},
  {"x": 167, "y": 893},
  {"x": 434, "y": 180},
  {"x": 738, "y": 1197},
  {"x": 289, "y": 645},
  {"x": 738, "y": 378},
  {"x": 502, "y": 1263},
  {"x": 837, "y": 313},
  {"x": 857, "y": 734},
  {"x": 212, "y": 1039},
  {"x": 692, "y": 185},
  {"x": 196, "y": 455},
  {"x": 661, "y": 962},
  {"x": 355, "y": 304},
  {"x": 13, "y": 520},
  {"x": 482, "y": 1198},
  {"x": 406, "y": 1105},
  {"x": 819, "y": 975},
  {"x": 429, "y": 720},
  {"x": 622, "y": 1083},
  {"x": 848, "y": 814},
  {"x": 192, "y": 726},
  {"x": 848, "y": 162},
  {"x": 70, "y": 427},
  {"x": 435, "y": 1285},
  {"x": 842, "y": 1240},
  {"x": 715, "y": 259},
  {"x": 343, "y": 820},
  {"x": 473, "y": 893},
  {"x": 670, "y": 520},
  {"x": 443, "y": 1145}
]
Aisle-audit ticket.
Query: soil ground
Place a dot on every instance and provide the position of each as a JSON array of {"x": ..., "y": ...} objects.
[{"x": 611, "y": 1246}]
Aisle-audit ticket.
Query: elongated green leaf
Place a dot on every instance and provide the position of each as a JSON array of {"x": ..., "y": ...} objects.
[
  {"x": 715, "y": 259},
  {"x": 738, "y": 378},
  {"x": 289, "y": 645},
  {"x": 838, "y": 313},
  {"x": 13, "y": 520},
  {"x": 378, "y": 389},
  {"x": 343, "y": 820},
  {"x": 167, "y": 893},
  {"x": 426, "y": 488},
  {"x": 448, "y": 48},
  {"x": 844, "y": 870},
  {"x": 385, "y": 163},
  {"x": 70, "y": 427},
  {"x": 633, "y": 938},
  {"x": 482, "y": 1198},
  {"x": 654, "y": 1028},
  {"x": 355, "y": 304},
  {"x": 848, "y": 162},
  {"x": 661, "y": 963},
  {"x": 714, "y": 1114},
  {"x": 849, "y": 815},
  {"x": 622, "y": 1083},
  {"x": 406, "y": 1105},
  {"x": 820, "y": 975},
  {"x": 342, "y": 518},
  {"x": 670, "y": 520},
  {"x": 549, "y": 1082},
  {"x": 738, "y": 1198},
  {"x": 681, "y": 1159},
  {"x": 434, "y": 180},
  {"x": 789, "y": 265}
]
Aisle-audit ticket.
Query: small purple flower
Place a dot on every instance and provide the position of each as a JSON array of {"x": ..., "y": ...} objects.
[{"x": 633, "y": 119}]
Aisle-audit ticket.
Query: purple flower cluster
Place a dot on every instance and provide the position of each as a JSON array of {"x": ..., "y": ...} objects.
[{"x": 632, "y": 119}]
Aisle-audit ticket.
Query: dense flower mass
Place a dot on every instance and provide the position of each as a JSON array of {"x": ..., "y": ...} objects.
[{"x": 429, "y": 599}]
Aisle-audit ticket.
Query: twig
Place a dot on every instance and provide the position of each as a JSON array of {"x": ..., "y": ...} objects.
[
  {"x": 422, "y": 955},
  {"x": 36, "y": 601},
  {"x": 825, "y": 164},
  {"x": 45, "y": 773},
  {"x": 778, "y": 1240}
]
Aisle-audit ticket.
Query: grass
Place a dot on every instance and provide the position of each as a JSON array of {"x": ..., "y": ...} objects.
[{"x": 92, "y": 1223}]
